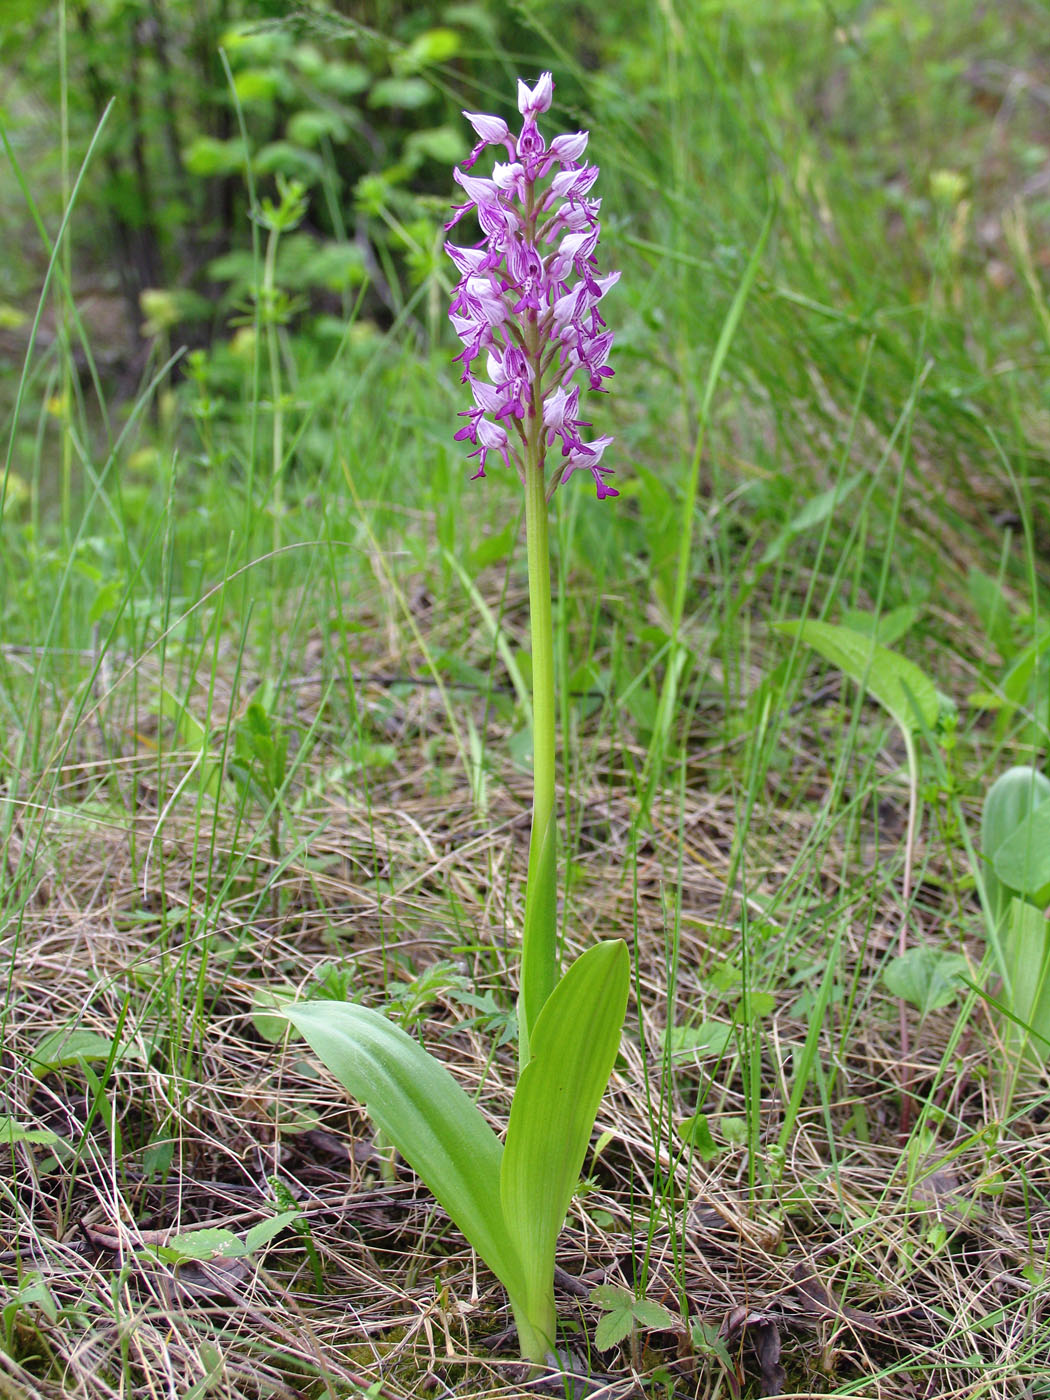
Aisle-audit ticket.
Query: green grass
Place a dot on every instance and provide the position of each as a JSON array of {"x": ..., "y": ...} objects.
[{"x": 732, "y": 806}]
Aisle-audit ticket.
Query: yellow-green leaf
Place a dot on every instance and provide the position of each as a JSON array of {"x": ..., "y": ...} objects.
[
  {"x": 414, "y": 1101},
  {"x": 894, "y": 681},
  {"x": 573, "y": 1046}
]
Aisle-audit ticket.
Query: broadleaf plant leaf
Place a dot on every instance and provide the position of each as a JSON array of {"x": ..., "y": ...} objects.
[
  {"x": 573, "y": 1047},
  {"x": 419, "y": 1107},
  {"x": 1008, "y": 803},
  {"x": 894, "y": 681},
  {"x": 1022, "y": 861},
  {"x": 928, "y": 978}
]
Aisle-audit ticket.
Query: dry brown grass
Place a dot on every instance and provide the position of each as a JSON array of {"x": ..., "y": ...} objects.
[{"x": 876, "y": 1268}]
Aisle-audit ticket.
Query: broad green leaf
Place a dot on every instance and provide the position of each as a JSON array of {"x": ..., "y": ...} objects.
[
  {"x": 282, "y": 158},
  {"x": 734, "y": 1130},
  {"x": 419, "y": 1107},
  {"x": 696, "y": 1132},
  {"x": 1022, "y": 861},
  {"x": 266, "y": 1230},
  {"x": 573, "y": 1047},
  {"x": 343, "y": 79},
  {"x": 615, "y": 1325},
  {"x": 1008, "y": 802},
  {"x": 443, "y": 144},
  {"x": 611, "y": 1295},
  {"x": 927, "y": 978},
  {"x": 707, "y": 1339},
  {"x": 887, "y": 627},
  {"x": 752, "y": 1008},
  {"x": 213, "y": 1242},
  {"x": 623, "y": 1312},
  {"x": 894, "y": 681},
  {"x": 405, "y": 94},
  {"x": 207, "y": 156},
  {"x": 432, "y": 46},
  {"x": 267, "y": 1013},
  {"x": 257, "y": 84}
]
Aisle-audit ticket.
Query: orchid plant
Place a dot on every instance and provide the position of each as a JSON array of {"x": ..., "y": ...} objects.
[{"x": 526, "y": 310}]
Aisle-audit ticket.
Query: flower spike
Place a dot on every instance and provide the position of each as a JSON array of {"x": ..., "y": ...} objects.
[{"x": 526, "y": 303}]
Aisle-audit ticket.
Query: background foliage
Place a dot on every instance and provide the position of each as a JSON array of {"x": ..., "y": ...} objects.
[{"x": 262, "y": 645}]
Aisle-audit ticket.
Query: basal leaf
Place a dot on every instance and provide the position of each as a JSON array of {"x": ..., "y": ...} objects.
[
  {"x": 1007, "y": 804},
  {"x": 573, "y": 1047},
  {"x": 1022, "y": 861},
  {"x": 928, "y": 978},
  {"x": 894, "y": 681},
  {"x": 419, "y": 1107},
  {"x": 1027, "y": 983}
]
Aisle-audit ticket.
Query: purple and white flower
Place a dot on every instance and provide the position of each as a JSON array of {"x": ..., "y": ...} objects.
[{"x": 526, "y": 304}]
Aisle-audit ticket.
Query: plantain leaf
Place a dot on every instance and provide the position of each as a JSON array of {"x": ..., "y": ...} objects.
[
  {"x": 573, "y": 1046},
  {"x": 894, "y": 681},
  {"x": 1007, "y": 804},
  {"x": 419, "y": 1107},
  {"x": 1021, "y": 861}
]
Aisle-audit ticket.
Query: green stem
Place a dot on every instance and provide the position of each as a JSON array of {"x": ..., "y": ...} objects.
[
  {"x": 535, "y": 1333},
  {"x": 539, "y": 952}
]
